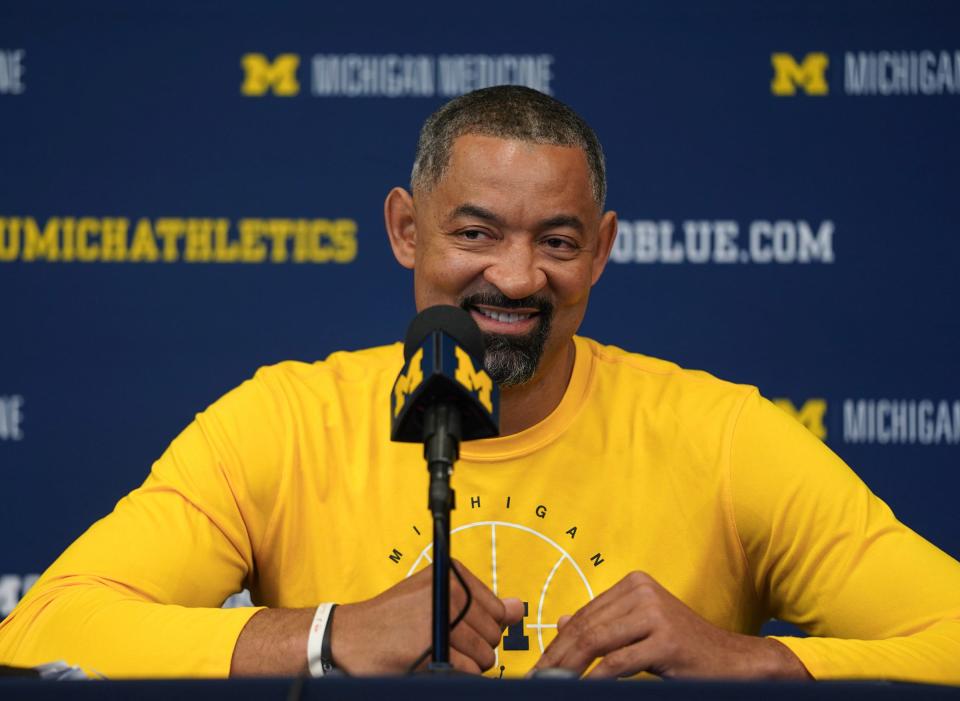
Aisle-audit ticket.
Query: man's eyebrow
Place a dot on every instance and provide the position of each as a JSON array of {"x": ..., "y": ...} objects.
[
  {"x": 555, "y": 222},
  {"x": 563, "y": 220},
  {"x": 476, "y": 211}
]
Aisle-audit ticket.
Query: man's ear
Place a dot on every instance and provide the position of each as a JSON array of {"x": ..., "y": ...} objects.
[
  {"x": 398, "y": 213},
  {"x": 608, "y": 233}
]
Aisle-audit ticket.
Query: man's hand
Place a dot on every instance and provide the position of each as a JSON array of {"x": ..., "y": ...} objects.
[
  {"x": 638, "y": 626},
  {"x": 386, "y": 634}
]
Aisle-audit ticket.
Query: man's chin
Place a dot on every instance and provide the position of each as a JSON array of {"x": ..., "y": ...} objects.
[
  {"x": 511, "y": 360},
  {"x": 512, "y": 349}
]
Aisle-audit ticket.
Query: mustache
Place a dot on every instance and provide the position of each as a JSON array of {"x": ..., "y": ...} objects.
[{"x": 498, "y": 299}]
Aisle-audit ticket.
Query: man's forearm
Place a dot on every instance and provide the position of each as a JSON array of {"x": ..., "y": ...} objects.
[{"x": 274, "y": 642}]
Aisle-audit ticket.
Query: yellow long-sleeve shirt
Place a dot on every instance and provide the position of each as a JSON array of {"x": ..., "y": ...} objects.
[{"x": 289, "y": 485}]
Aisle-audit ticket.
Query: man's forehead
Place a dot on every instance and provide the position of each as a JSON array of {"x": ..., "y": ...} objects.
[
  {"x": 470, "y": 145},
  {"x": 481, "y": 163}
]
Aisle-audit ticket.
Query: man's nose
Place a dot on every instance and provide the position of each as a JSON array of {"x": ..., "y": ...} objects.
[{"x": 516, "y": 272}]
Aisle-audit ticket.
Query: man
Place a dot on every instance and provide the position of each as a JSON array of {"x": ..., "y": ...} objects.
[{"x": 644, "y": 518}]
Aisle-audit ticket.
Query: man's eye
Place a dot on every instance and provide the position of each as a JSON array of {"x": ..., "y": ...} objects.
[
  {"x": 559, "y": 243},
  {"x": 472, "y": 234}
]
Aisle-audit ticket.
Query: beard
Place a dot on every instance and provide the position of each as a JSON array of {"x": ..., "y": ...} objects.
[{"x": 512, "y": 360}]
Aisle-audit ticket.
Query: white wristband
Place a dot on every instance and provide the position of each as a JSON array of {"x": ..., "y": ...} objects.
[{"x": 315, "y": 642}]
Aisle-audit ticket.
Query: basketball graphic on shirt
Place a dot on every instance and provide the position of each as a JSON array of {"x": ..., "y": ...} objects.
[{"x": 515, "y": 560}]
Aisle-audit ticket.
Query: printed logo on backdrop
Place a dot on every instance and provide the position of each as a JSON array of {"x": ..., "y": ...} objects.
[
  {"x": 811, "y": 413},
  {"x": 724, "y": 241},
  {"x": 79, "y": 239},
  {"x": 880, "y": 421},
  {"x": 391, "y": 75},
  {"x": 11, "y": 417},
  {"x": 12, "y": 68},
  {"x": 809, "y": 75},
  {"x": 12, "y": 589},
  {"x": 883, "y": 73},
  {"x": 278, "y": 76}
]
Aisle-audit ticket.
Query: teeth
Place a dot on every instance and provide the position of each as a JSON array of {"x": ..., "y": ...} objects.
[{"x": 509, "y": 318}]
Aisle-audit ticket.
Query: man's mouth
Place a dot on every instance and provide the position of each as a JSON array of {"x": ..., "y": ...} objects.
[
  {"x": 505, "y": 317},
  {"x": 504, "y": 321}
]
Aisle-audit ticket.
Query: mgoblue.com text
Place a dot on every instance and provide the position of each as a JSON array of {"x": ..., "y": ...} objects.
[{"x": 720, "y": 241}]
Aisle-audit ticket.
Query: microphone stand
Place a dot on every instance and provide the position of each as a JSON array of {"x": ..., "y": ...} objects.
[{"x": 441, "y": 436}]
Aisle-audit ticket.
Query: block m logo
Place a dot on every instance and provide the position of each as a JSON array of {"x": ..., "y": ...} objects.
[
  {"x": 407, "y": 382},
  {"x": 811, "y": 414},
  {"x": 810, "y": 74},
  {"x": 468, "y": 376},
  {"x": 259, "y": 75}
]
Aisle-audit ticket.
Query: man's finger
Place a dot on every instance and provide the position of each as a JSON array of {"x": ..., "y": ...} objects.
[
  {"x": 463, "y": 663},
  {"x": 585, "y": 632},
  {"x": 481, "y": 593},
  {"x": 512, "y": 612},
  {"x": 477, "y": 616},
  {"x": 624, "y": 662},
  {"x": 598, "y": 640},
  {"x": 484, "y": 624},
  {"x": 614, "y": 601},
  {"x": 488, "y": 614},
  {"x": 471, "y": 643}
]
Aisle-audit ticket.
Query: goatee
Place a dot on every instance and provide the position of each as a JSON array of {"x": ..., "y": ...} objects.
[{"x": 512, "y": 360}]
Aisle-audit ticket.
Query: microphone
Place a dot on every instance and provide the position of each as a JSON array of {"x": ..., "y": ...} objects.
[
  {"x": 443, "y": 354},
  {"x": 439, "y": 399}
]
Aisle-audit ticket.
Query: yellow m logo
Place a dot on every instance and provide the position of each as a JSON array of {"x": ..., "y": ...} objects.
[
  {"x": 468, "y": 376},
  {"x": 811, "y": 414},
  {"x": 259, "y": 75},
  {"x": 809, "y": 75},
  {"x": 408, "y": 382}
]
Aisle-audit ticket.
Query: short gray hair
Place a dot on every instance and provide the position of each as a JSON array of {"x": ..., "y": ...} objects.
[{"x": 505, "y": 112}]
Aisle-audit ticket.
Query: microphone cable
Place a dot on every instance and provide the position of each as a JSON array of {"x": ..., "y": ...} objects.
[
  {"x": 296, "y": 688},
  {"x": 453, "y": 624}
]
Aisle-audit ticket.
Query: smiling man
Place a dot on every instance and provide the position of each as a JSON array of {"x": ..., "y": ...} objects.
[
  {"x": 633, "y": 517},
  {"x": 514, "y": 232}
]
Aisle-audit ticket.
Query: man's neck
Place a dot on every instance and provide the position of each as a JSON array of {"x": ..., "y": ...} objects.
[{"x": 528, "y": 404}]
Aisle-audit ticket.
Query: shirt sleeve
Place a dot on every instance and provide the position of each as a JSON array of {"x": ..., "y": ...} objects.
[
  {"x": 139, "y": 593},
  {"x": 829, "y": 556}
]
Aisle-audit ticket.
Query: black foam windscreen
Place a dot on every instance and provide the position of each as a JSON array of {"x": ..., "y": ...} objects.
[{"x": 453, "y": 321}]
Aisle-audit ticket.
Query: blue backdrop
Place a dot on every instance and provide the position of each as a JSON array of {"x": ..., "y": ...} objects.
[{"x": 189, "y": 191}]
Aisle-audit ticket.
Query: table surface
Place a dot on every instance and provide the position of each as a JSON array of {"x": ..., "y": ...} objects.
[{"x": 426, "y": 689}]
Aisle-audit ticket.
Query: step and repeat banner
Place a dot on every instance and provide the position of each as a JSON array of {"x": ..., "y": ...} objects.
[{"x": 190, "y": 190}]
